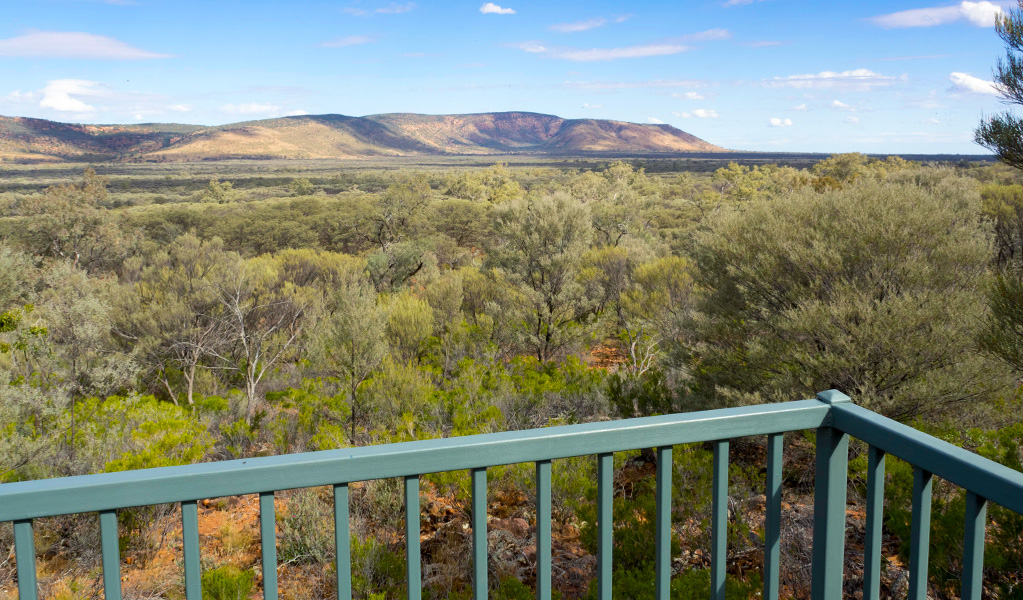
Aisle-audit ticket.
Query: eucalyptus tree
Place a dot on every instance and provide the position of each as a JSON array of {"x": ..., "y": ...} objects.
[{"x": 538, "y": 245}]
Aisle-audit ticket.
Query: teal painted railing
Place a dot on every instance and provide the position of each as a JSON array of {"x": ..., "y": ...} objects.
[{"x": 832, "y": 414}]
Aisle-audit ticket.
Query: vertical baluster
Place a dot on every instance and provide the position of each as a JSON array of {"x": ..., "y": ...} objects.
[
  {"x": 829, "y": 500},
  {"x": 268, "y": 544},
  {"x": 25, "y": 554},
  {"x": 662, "y": 536},
  {"x": 920, "y": 534},
  {"x": 190, "y": 544},
  {"x": 111, "y": 552},
  {"x": 342, "y": 543},
  {"x": 719, "y": 521},
  {"x": 479, "y": 534},
  {"x": 772, "y": 516},
  {"x": 605, "y": 523},
  {"x": 413, "y": 569},
  {"x": 973, "y": 546},
  {"x": 875, "y": 517},
  {"x": 543, "y": 530}
]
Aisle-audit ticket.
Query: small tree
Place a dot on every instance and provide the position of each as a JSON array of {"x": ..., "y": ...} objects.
[{"x": 351, "y": 337}]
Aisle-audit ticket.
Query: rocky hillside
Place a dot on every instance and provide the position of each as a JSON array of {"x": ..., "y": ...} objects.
[{"x": 340, "y": 136}]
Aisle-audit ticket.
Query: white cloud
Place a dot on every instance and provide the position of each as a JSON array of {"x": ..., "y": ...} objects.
[
  {"x": 492, "y": 9},
  {"x": 980, "y": 14},
  {"x": 688, "y": 95},
  {"x": 931, "y": 121},
  {"x": 578, "y": 25},
  {"x": 654, "y": 121},
  {"x": 64, "y": 95},
  {"x": 21, "y": 97},
  {"x": 699, "y": 113},
  {"x": 800, "y": 108},
  {"x": 349, "y": 40},
  {"x": 740, "y": 2},
  {"x": 776, "y": 122},
  {"x": 855, "y": 80},
  {"x": 601, "y": 54},
  {"x": 839, "y": 105},
  {"x": 964, "y": 82},
  {"x": 592, "y": 106},
  {"x": 72, "y": 44},
  {"x": 179, "y": 108},
  {"x": 295, "y": 113},
  {"x": 851, "y": 120},
  {"x": 396, "y": 9}
]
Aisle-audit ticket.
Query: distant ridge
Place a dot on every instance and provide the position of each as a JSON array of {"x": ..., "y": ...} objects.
[{"x": 340, "y": 136}]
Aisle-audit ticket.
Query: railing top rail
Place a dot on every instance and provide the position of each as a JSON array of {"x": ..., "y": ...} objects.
[
  {"x": 105, "y": 491},
  {"x": 975, "y": 473}
]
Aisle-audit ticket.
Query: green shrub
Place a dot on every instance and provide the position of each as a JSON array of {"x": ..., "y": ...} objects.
[{"x": 227, "y": 583}]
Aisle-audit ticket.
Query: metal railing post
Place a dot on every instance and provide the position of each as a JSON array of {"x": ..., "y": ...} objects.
[{"x": 829, "y": 502}]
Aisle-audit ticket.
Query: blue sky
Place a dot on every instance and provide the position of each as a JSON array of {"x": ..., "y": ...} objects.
[{"x": 772, "y": 75}]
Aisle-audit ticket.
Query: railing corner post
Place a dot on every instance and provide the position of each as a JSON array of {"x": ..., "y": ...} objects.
[{"x": 829, "y": 505}]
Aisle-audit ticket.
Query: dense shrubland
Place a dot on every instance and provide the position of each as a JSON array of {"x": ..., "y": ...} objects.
[{"x": 195, "y": 319}]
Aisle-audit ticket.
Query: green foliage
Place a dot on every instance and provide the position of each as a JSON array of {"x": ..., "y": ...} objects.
[
  {"x": 376, "y": 570},
  {"x": 874, "y": 289},
  {"x": 227, "y": 583},
  {"x": 1003, "y": 133},
  {"x": 307, "y": 528},
  {"x": 539, "y": 242}
]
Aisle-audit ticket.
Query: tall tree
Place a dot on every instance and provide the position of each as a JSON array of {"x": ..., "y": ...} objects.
[
  {"x": 172, "y": 314},
  {"x": 540, "y": 243},
  {"x": 1003, "y": 133}
]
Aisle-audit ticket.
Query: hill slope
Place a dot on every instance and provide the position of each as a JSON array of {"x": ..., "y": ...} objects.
[{"x": 340, "y": 136}]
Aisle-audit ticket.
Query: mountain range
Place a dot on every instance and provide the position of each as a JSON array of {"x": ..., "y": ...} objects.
[{"x": 340, "y": 136}]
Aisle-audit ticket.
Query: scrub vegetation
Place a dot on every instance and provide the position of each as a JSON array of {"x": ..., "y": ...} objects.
[{"x": 166, "y": 314}]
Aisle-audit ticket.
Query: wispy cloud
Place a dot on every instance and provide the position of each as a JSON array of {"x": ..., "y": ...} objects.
[
  {"x": 630, "y": 85},
  {"x": 589, "y": 106},
  {"x": 707, "y": 36},
  {"x": 654, "y": 121},
  {"x": 699, "y": 113},
  {"x": 839, "y": 105},
  {"x": 778, "y": 122},
  {"x": 396, "y": 9},
  {"x": 855, "y": 80},
  {"x": 923, "y": 57},
  {"x": 740, "y": 2},
  {"x": 390, "y": 9},
  {"x": 72, "y": 44},
  {"x": 800, "y": 108},
  {"x": 349, "y": 40},
  {"x": 578, "y": 25},
  {"x": 851, "y": 120},
  {"x": 980, "y": 14},
  {"x": 260, "y": 110},
  {"x": 688, "y": 95},
  {"x": 601, "y": 54},
  {"x": 964, "y": 82},
  {"x": 492, "y": 9}
]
